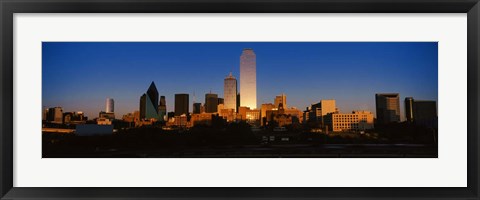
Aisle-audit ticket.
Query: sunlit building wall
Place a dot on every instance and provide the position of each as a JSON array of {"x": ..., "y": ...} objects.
[
  {"x": 356, "y": 121},
  {"x": 263, "y": 112},
  {"x": 248, "y": 79},
  {"x": 281, "y": 99},
  {"x": 388, "y": 108},
  {"x": 230, "y": 92},
  {"x": 321, "y": 109}
]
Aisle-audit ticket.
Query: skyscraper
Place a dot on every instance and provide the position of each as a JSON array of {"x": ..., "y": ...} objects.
[
  {"x": 425, "y": 113},
  {"x": 421, "y": 112},
  {"x": 282, "y": 99},
  {"x": 55, "y": 115},
  {"x": 149, "y": 103},
  {"x": 211, "y": 103},
  {"x": 181, "y": 104},
  {"x": 197, "y": 107},
  {"x": 230, "y": 92},
  {"x": 109, "y": 105},
  {"x": 162, "y": 108},
  {"x": 388, "y": 108},
  {"x": 248, "y": 79},
  {"x": 321, "y": 109}
]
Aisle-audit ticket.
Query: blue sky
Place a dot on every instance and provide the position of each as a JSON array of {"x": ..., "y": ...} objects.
[{"x": 79, "y": 76}]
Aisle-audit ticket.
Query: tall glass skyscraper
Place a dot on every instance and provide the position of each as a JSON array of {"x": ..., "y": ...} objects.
[
  {"x": 149, "y": 103},
  {"x": 109, "y": 105},
  {"x": 230, "y": 93},
  {"x": 248, "y": 79}
]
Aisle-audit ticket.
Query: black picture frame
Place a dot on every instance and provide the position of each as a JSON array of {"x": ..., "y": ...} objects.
[{"x": 9, "y": 7}]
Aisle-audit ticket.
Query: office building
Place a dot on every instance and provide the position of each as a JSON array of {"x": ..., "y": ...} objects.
[
  {"x": 388, "y": 107},
  {"x": 55, "y": 115},
  {"x": 197, "y": 107},
  {"x": 162, "y": 108},
  {"x": 230, "y": 92},
  {"x": 248, "y": 79},
  {"x": 421, "y": 112},
  {"x": 109, "y": 105},
  {"x": 211, "y": 103},
  {"x": 149, "y": 104},
  {"x": 263, "y": 112},
  {"x": 181, "y": 104},
  {"x": 281, "y": 100},
  {"x": 425, "y": 113},
  {"x": 319, "y": 110},
  {"x": 356, "y": 121}
]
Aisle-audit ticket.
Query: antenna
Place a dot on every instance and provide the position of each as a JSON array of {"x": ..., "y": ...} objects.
[{"x": 194, "y": 96}]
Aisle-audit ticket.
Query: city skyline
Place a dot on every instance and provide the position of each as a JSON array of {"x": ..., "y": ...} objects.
[{"x": 411, "y": 68}]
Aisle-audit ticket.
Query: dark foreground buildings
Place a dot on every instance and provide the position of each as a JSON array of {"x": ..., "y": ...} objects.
[{"x": 421, "y": 112}]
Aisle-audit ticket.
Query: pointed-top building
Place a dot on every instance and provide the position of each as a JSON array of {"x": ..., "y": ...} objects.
[{"x": 149, "y": 103}]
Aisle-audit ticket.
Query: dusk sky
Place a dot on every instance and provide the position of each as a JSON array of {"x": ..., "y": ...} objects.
[{"x": 79, "y": 76}]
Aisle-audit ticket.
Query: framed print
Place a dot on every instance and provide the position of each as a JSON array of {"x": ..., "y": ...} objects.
[{"x": 243, "y": 99}]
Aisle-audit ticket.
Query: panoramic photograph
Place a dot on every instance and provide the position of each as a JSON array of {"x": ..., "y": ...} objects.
[{"x": 239, "y": 100}]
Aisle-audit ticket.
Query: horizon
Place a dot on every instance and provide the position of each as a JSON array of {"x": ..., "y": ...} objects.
[{"x": 80, "y": 76}]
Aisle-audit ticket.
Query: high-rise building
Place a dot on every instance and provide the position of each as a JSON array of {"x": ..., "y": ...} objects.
[
  {"x": 248, "y": 79},
  {"x": 409, "y": 109},
  {"x": 230, "y": 92},
  {"x": 220, "y": 101},
  {"x": 320, "y": 110},
  {"x": 109, "y": 105},
  {"x": 211, "y": 103},
  {"x": 55, "y": 115},
  {"x": 425, "y": 113},
  {"x": 421, "y": 112},
  {"x": 197, "y": 107},
  {"x": 281, "y": 99},
  {"x": 162, "y": 108},
  {"x": 388, "y": 108},
  {"x": 149, "y": 103},
  {"x": 181, "y": 104}
]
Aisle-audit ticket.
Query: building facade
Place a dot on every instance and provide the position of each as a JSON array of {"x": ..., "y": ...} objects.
[
  {"x": 281, "y": 99},
  {"x": 248, "y": 79},
  {"x": 319, "y": 110},
  {"x": 211, "y": 103},
  {"x": 109, "y": 105},
  {"x": 55, "y": 115},
  {"x": 230, "y": 92},
  {"x": 387, "y": 107},
  {"x": 356, "y": 121},
  {"x": 162, "y": 108},
  {"x": 181, "y": 104},
  {"x": 197, "y": 107},
  {"x": 149, "y": 103},
  {"x": 421, "y": 112}
]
